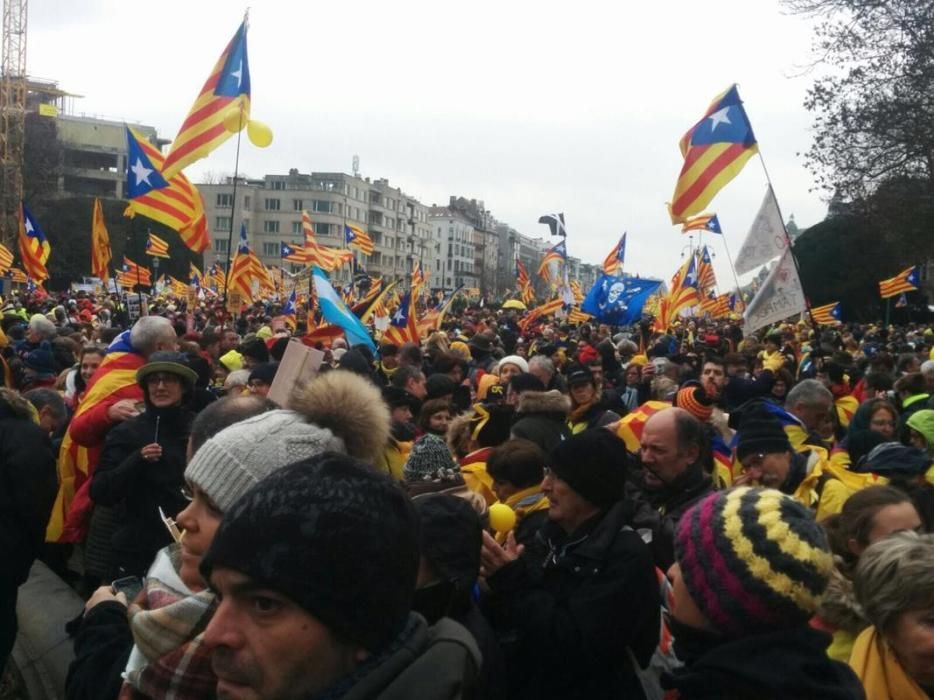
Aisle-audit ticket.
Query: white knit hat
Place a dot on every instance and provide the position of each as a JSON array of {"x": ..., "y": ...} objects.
[{"x": 519, "y": 362}]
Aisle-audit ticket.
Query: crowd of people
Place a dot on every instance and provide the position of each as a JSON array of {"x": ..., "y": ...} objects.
[{"x": 536, "y": 510}]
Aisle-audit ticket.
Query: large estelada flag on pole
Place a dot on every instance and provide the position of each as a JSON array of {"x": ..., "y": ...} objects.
[
  {"x": 225, "y": 93},
  {"x": 826, "y": 315},
  {"x": 34, "y": 248},
  {"x": 715, "y": 149},
  {"x": 905, "y": 281},
  {"x": 172, "y": 201},
  {"x": 613, "y": 263}
]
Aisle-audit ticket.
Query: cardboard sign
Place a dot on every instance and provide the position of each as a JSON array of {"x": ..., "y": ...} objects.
[{"x": 299, "y": 365}]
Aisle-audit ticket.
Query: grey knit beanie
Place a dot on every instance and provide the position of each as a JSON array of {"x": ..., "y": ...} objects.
[
  {"x": 230, "y": 463},
  {"x": 430, "y": 460}
]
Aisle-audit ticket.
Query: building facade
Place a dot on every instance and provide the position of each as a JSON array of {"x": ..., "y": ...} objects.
[
  {"x": 271, "y": 209},
  {"x": 457, "y": 238}
]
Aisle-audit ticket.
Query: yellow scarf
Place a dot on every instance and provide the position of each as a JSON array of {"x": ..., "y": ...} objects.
[{"x": 880, "y": 672}]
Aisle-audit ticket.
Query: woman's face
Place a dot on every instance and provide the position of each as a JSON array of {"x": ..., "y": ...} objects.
[
  {"x": 164, "y": 389},
  {"x": 200, "y": 521},
  {"x": 632, "y": 376},
  {"x": 439, "y": 422},
  {"x": 912, "y": 640},
  {"x": 883, "y": 422},
  {"x": 582, "y": 393},
  {"x": 779, "y": 389},
  {"x": 507, "y": 372},
  {"x": 899, "y": 517},
  {"x": 89, "y": 364}
]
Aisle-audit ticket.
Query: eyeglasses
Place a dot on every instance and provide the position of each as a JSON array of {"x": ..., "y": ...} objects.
[{"x": 162, "y": 378}]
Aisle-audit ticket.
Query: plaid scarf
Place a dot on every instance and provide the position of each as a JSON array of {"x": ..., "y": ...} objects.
[{"x": 169, "y": 659}]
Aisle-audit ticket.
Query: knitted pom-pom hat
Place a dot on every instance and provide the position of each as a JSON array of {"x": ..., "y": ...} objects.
[{"x": 753, "y": 560}]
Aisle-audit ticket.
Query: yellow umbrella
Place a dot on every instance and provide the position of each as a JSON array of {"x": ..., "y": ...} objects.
[{"x": 515, "y": 304}]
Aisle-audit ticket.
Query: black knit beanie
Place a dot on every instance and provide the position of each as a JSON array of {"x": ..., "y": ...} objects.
[
  {"x": 593, "y": 463},
  {"x": 761, "y": 433},
  {"x": 332, "y": 535}
]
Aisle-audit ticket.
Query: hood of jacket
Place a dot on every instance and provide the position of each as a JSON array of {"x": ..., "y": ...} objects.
[
  {"x": 348, "y": 405},
  {"x": 553, "y": 402},
  {"x": 790, "y": 663},
  {"x": 13, "y": 405},
  {"x": 839, "y": 606}
]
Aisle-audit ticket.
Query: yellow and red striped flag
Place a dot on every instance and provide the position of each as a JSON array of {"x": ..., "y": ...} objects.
[
  {"x": 359, "y": 239},
  {"x": 905, "y": 281},
  {"x": 34, "y": 248},
  {"x": 157, "y": 247},
  {"x": 826, "y": 315},
  {"x": 18, "y": 276},
  {"x": 328, "y": 259},
  {"x": 245, "y": 268},
  {"x": 100, "y": 243},
  {"x": 172, "y": 201},
  {"x": 557, "y": 253},
  {"x": 132, "y": 274},
  {"x": 706, "y": 279},
  {"x": 613, "y": 264},
  {"x": 226, "y": 93},
  {"x": 715, "y": 149},
  {"x": 6, "y": 259},
  {"x": 549, "y": 307},
  {"x": 702, "y": 222}
]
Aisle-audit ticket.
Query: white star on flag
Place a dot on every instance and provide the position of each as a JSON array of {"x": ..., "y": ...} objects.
[
  {"x": 719, "y": 117},
  {"x": 399, "y": 316},
  {"x": 238, "y": 74},
  {"x": 29, "y": 228},
  {"x": 142, "y": 172}
]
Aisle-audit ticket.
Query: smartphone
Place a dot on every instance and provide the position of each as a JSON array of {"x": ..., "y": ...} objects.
[{"x": 130, "y": 586}]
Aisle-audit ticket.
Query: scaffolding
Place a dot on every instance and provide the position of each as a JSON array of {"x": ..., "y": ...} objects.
[{"x": 12, "y": 117}]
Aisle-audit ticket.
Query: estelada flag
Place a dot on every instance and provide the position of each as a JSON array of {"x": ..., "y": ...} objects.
[{"x": 715, "y": 150}]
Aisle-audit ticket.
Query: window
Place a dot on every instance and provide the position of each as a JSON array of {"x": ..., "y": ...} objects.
[
  {"x": 220, "y": 246},
  {"x": 449, "y": 264},
  {"x": 278, "y": 185},
  {"x": 272, "y": 204},
  {"x": 376, "y": 258},
  {"x": 355, "y": 193},
  {"x": 221, "y": 223},
  {"x": 224, "y": 201},
  {"x": 271, "y": 249},
  {"x": 322, "y": 206},
  {"x": 377, "y": 237},
  {"x": 297, "y": 205},
  {"x": 323, "y": 229},
  {"x": 296, "y": 227},
  {"x": 247, "y": 201},
  {"x": 271, "y": 226}
]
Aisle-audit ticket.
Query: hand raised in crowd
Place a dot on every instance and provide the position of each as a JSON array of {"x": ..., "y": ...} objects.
[
  {"x": 102, "y": 595},
  {"x": 494, "y": 556},
  {"x": 123, "y": 410},
  {"x": 152, "y": 452}
]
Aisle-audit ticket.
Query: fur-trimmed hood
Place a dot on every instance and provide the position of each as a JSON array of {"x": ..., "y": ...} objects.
[
  {"x": 348, "y": 405},
  {"x": 544, "y": 402},
  {"x": 839, "y": 606},
  {"x": 13, "y": 405}
]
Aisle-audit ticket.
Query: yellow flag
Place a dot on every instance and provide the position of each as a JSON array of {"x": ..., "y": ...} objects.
[{"x": 100, "y": 243}]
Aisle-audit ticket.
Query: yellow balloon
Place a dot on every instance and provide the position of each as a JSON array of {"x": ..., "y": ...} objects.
[
  {"x": 260, "y": 134},
  {"x": 232, "y": 121},
  {"x": 502, "y": 517}
]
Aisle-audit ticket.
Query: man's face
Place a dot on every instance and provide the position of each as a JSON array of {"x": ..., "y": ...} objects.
[
  {"x": 812, "y": 415},
  {"x": 769, "y": 470},
  {"x": 662, "y": 460},
  {"x": 539, "y": 373},
  {"x": 401, "y": 415},
  {"x": 596, "y": 371},
  {"x": 713, "y": 378},
  {"x": 417, "y": 387},
  {"x": 229, "y": 341},
  {"x": 737, "y": 370},
  {"x": 265, "y": 647},
  {"x": 48, "y": 421},
  {"x": 390, "y": 361},
  {"x": 258, "y": 387}
]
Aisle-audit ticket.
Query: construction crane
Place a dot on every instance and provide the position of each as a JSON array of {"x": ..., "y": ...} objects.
[{"x": 12, "y": 117}]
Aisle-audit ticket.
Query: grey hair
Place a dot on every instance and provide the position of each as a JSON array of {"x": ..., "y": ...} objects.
[
  {"x": 42, "y": 397},
  {"x": 43, "y": 326},
  {"x": 808, "y": 392},
  {"x": 542, "y": 362},
  {"x": 894, "y": 575},
  {"x": 148, "y": 332},
  {"x": 927, "y": 367}
]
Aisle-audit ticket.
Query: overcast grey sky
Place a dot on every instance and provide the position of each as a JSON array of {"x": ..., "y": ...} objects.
[{"x": 532, "y": 107}]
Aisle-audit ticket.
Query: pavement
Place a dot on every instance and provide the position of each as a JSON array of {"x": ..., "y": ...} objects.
[{"x": 43, "y": 651}]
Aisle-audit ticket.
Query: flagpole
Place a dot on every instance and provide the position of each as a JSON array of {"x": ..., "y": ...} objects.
[
  {"x": 729, "y": 257},
  {"x": 233, "y": 210},
  {"x": 794, "y": 259}
]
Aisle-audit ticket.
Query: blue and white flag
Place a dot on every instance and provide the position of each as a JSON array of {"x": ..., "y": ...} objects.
[
  {"x": 335, "y": 311},
  {"x": 618, "y": 301}
]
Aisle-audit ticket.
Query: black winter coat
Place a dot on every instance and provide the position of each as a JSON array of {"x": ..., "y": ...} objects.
[
  {"x": 573, "y": 616},
  {"x": 102, "y": 648},
  {"x": 28, "y": 485},
  {"x": 136, "y": 488},
  {"x": 783, "y": 664}
]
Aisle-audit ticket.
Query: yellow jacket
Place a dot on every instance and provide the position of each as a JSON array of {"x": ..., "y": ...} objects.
[
  {"x": 473, "y": 469},
  {"x": 393, "y": 458},
  {"x": 821, "y": 489},
  {"x": 523, "y": 503}
]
